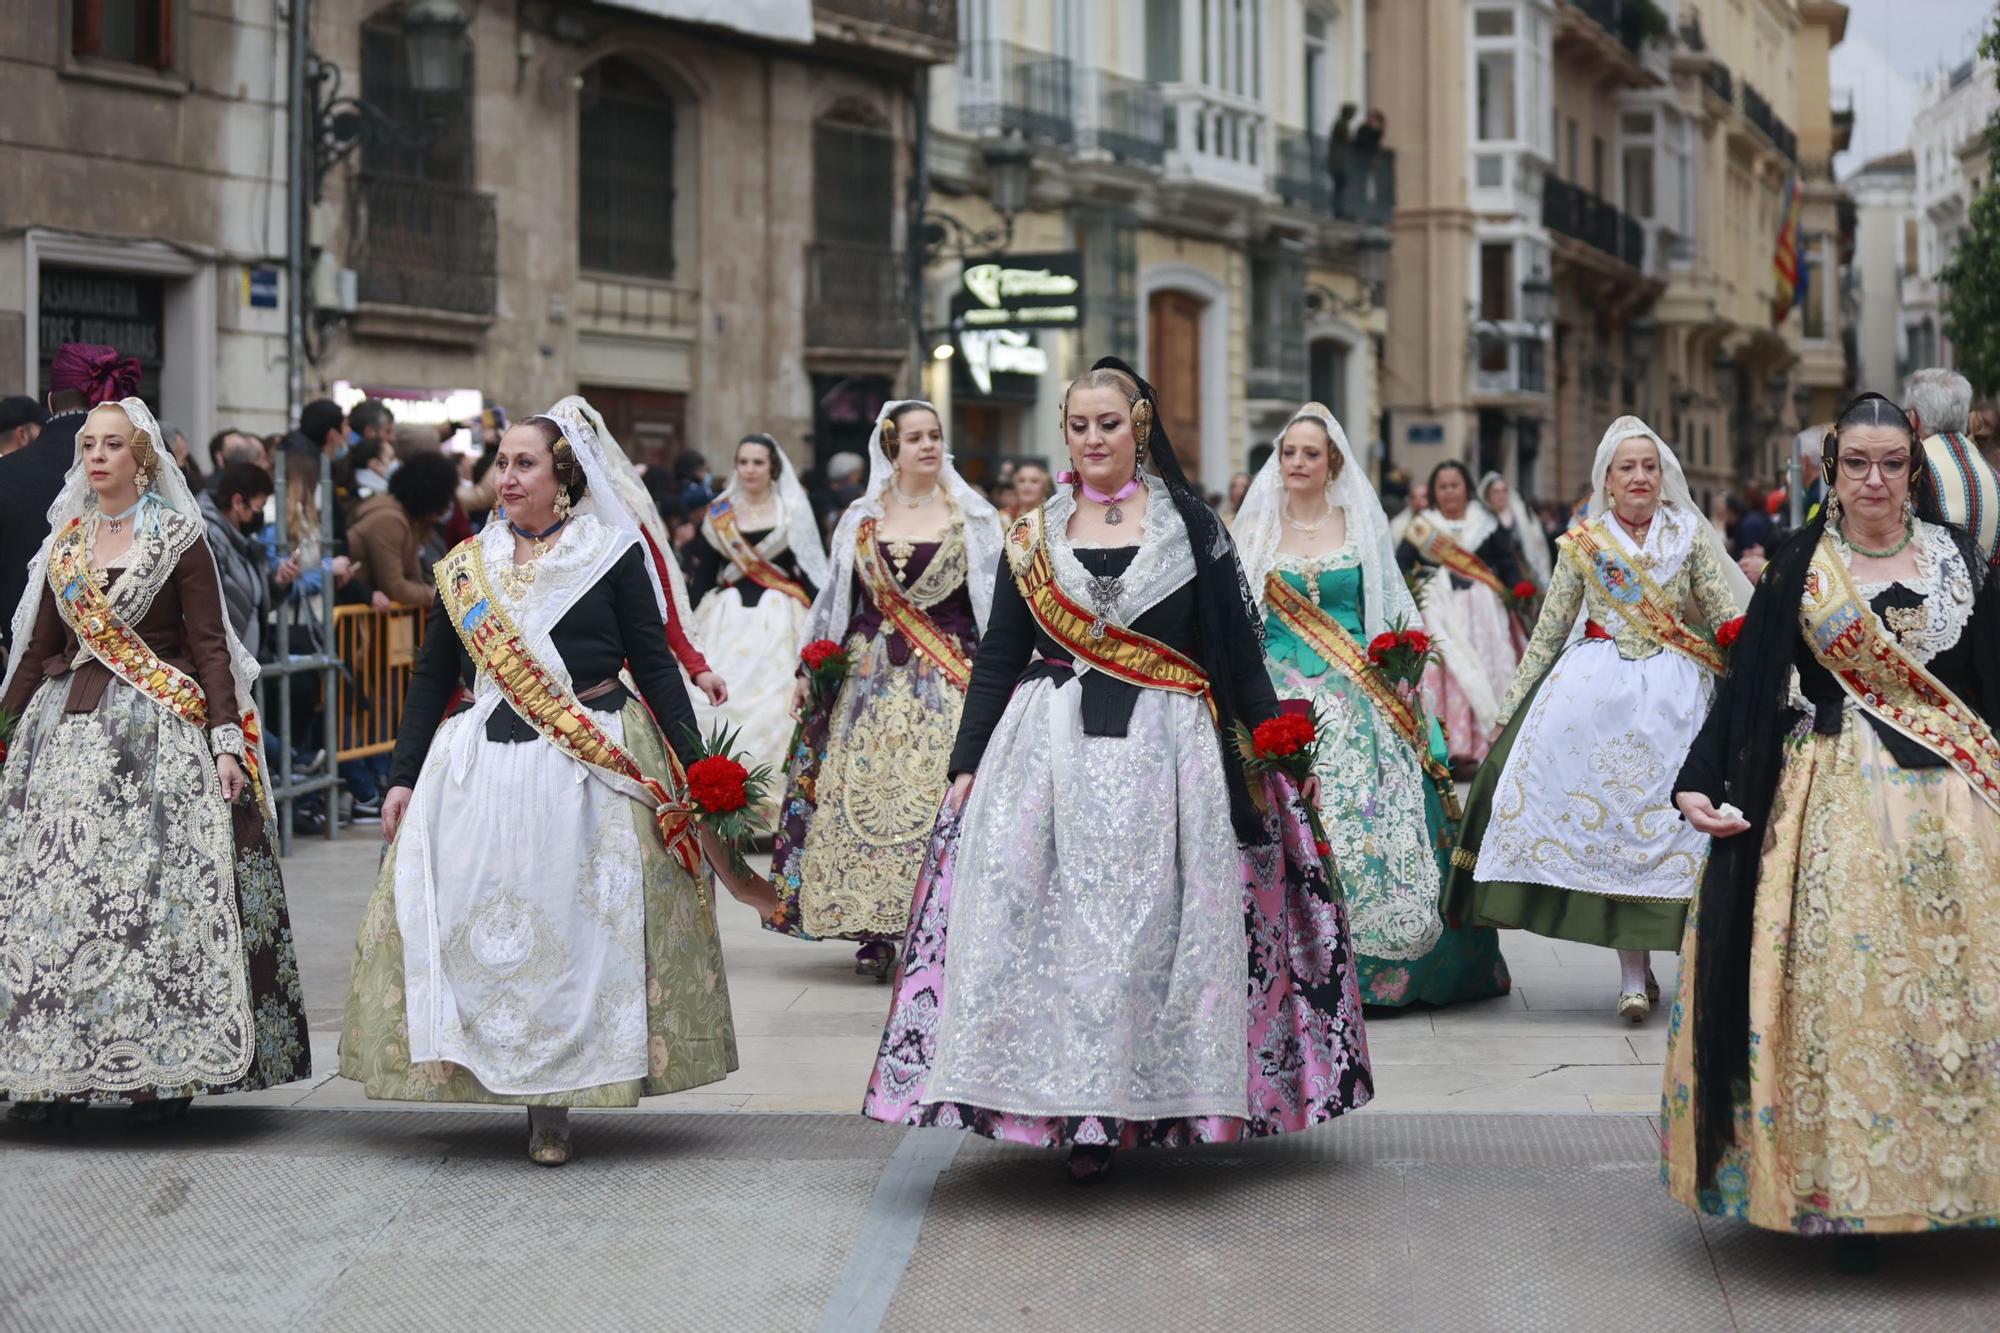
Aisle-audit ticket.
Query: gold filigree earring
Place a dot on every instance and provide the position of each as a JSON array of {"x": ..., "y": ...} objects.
[
  {"x": 1142, "y": 424},
  {"x": 562, "y": 503}
]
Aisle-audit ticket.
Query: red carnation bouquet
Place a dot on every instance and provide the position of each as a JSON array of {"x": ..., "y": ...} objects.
[
  {"x": 1289, "y": 744},
  {"x": 725, "y": 793},
  {"x": 1726, "y": 635},
  {"x": 1401, "y": 654},
  {"x": 826, "y": 666},
  {"x": 1525, "y": 592}
]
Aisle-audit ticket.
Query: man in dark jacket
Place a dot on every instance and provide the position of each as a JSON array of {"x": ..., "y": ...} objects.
[{"x": 81, "y": 376}]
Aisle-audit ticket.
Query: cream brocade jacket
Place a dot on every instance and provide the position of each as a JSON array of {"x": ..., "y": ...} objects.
[{"x": 1697, "y": 578}]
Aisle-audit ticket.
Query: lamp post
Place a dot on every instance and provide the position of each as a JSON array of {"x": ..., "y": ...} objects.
[{"x": 1010, "y": 167}]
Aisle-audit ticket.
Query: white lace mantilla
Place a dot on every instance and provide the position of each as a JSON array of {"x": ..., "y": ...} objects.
[
  {"x": 1163, "y": 563},
  {"x": 157, "y": 548},
  {"x": 1942, "y": 581}
]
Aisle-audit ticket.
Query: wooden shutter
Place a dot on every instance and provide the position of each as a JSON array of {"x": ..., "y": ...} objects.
[{"x": 87, "y": 27}]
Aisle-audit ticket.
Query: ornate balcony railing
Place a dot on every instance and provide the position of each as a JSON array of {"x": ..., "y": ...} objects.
[
  {"x": 429, "y": 247},
  {"x": 1220, "y": 139},
  {"x": 1572, "y": 211},
  {"x": 1630, "y": 21},
  {"x": 1764, "y": 118},
  {"x": 1720, "y": 82},
  {"x": 1003, "y": 87},
  {"x": 1338, "y": 180},
  {"x": 1124, "y": 117},
  {"x": 936, "y": 20},
  {"x": 857, "y": 297}
]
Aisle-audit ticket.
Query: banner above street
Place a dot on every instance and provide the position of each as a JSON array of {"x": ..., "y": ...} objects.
[{"x": 779, "y": 20}]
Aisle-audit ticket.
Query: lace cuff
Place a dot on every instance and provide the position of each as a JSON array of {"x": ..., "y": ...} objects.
[{"x": 226, "y": 740}]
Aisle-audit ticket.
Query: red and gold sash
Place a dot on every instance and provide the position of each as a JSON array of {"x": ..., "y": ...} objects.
[
  {"x": 909, "y": 619},
  {"x": 746, "y": 557},
  {"x": 1644, "y": 604},
  {"x": 1436, "y": 546},
  {"x": 87, "y": 610},
  {"x": 1330, "y": 639},
  {"x": 500, "y": 651},
  {"x": 1849, "y": 640},
  {"x": 1118, "y": 652}
]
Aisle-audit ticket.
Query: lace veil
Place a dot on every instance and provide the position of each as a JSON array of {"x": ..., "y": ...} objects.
[
  {"x": 1673, "y": 490},
  {"x": 622, "y": 480},
  {"x": 601, "y": 494},
  {"x": 1527, "y": 529},
  {"x": 1260, "y": 526},
  {"x": 833, "y": 607}
]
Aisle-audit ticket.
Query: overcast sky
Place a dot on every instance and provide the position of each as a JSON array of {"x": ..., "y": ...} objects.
[{"x": 1891, "y": 47}]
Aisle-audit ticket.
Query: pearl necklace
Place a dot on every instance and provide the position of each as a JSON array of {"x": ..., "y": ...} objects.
[
  {"x": 896, "y": 488},
  {"x": 1310, "y": 529}
]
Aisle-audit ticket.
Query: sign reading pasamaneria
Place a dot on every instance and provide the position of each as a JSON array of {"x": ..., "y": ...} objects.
[{"x": 1040, "y": 291}]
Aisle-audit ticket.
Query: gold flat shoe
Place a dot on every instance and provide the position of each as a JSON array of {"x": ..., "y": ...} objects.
[
  {"x": 549, "y": 1147},
  {"x": 1633, "y": 1006}
]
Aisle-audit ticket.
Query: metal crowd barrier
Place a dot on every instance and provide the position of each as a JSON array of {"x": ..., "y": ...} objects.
[
  {"x": 380, "y": 650},
  {"x": 274, "y": 679}
]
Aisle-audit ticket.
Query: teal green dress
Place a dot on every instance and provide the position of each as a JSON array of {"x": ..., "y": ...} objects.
[{"x": 1391, "y": 835}]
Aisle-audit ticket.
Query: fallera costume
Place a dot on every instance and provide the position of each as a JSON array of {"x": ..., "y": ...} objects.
[
  {"x": 867, "y": 771},
  {"x": 539, "y": 935},
  {"x": 145, "y": 948},
  {"x": 1385, "y": 789},
  {"x": 1471, "y": 567},
  {"x": 1113, "y": 943}
]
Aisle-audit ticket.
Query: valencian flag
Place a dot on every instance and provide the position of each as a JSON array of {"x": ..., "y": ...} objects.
[{"x": 1787, "y": 263}]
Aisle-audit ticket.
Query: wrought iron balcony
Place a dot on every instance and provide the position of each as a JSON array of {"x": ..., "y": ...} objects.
[
  {"x": 1572, "y": 211},
  {"x": 1764, "y": 118},
  {"x": 1338, "y": 180},
  {"x": 1124, "y": 117},
  {"x": 1630, "y": 21},
  {"x": 934, "y": 20},
  {"x": 857, "y": 297},
  {"x": 1720, "y": 82},
  {"x": 429, "y": 247},
  {"x": 1007, "y": 88}
]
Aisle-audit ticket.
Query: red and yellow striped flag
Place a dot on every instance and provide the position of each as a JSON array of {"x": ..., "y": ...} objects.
[{"x": 1785, "y": 262}]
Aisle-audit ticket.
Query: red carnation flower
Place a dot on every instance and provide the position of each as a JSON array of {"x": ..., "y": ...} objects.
[
  {"x": 1418, "y": 641},
  {"x": 717, "y": 784},
  {"x": 1523, "y": 590},
  {"x": 1380, "y": 647},
  {"x": 1728, "y": 632},
  {"x": 816, "y": 653},
  {"x": 1283, "y": 735},
  {"x": 1325, "y": 849}
]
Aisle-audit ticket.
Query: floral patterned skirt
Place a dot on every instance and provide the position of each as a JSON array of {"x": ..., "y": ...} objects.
[
  {"x": 145, "y": 949},
  {"x": 861, "y": 791},
  {"x": 690, "y": 1038},
  {"x": 1304, "y": 1042},
  {"x": 1874, "y": 1006}
]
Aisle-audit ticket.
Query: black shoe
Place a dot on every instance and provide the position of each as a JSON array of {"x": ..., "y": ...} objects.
[
  {"x": 366, "y": 812},
  {"x": 308, "y": 824}
]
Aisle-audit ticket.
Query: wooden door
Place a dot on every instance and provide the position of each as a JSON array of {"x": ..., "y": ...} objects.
[
  {"x": 1173, "y": 341},
  {"x": 651, "y": 426}
]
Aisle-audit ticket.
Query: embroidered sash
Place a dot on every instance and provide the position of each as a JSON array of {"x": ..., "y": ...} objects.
[
  {"x": 1330, "y": 639},
  {"x": 909, "y": 619},
  {"x": 746, "y": 557},
  {"x": 1598, "y": 556},
  {"x": 1849, "y": 640},
  {"x": 500, "y": 651},
  {"x": 1120, "y": 653},
  {"x": 87, "y": 610},
  {"x": 1436, "y": 546}
]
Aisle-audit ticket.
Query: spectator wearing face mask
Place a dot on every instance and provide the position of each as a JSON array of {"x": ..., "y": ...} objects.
[{"x": 234, "y": 513}]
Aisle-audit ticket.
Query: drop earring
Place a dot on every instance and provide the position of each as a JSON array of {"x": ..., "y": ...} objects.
[{"x": 562, "y": 504}]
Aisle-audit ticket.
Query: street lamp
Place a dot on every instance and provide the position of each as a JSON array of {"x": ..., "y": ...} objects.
[
  {"x": 1010, "y": 169},
  {"x": 434, "y": 45},
  {"x": 1538, "y": 300},
  {"x": 1802, "y": 400}
]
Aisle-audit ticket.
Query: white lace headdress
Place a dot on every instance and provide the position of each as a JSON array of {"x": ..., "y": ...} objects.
[
  {"x": 624, "y": 482},
  {"x": 1527, "y": 529},
  {"x": 601, "y": 495},
  {"x": 167, "y": 492},
  {"x": 795, "y": 513},
  {"x": 833, "y": 607},
  {"x": 1673, "y": 491},
  {"x": 1260, "y": 526}
]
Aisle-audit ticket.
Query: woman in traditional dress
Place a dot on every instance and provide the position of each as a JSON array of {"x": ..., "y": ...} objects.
[
  {"x": 1831, "y": 1062},
  {"x": 1140, "y": 950},
  {"x": 538, "y": 935},
  {"x": 911, "y": 587},
  {"x": 1316, "y": 547},
  {"x": 145, "y": 949},
  {"x": 638, "y": 501},
  {"x": 1470, "y": 569},
  {"x": 752, "y": 576},
  {"x": 1521, "y": 525},
  {"x": 1571, "y": 830}
]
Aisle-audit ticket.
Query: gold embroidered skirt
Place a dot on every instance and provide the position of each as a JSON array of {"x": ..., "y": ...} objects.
[{"x": 1874, "y": 1006}]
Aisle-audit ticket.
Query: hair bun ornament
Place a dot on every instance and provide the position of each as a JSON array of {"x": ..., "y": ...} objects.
[
  {"x": 891, "y": 437},
  {"x": 1142, "y": 421}
]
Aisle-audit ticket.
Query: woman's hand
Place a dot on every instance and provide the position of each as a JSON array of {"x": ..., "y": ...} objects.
[
  {"x": 231, "y": 774},
  {"x": 1705, "y": 818},
  {"x": 799, "y": 689},
  {"x": 714, "y": 687},
  {"x": 961, "y": 788},
  {"x": 1310, "y": 789},
  {"x": 746, "y": 886},
  {"x": 393, "y": 806}
]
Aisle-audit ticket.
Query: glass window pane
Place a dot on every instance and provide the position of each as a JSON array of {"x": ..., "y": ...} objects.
[
  {"x": 1496, "y": 100},
  {"x": 1496, "y": 280},
  {"x": 1493, "y": 23}
]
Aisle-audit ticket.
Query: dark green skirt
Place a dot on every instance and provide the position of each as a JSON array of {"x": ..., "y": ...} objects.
[{"x": 1544, "y": 909}]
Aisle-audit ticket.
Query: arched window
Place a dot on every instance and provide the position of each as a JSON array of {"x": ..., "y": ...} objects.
[
  {"x": 422, "y": 136},
  {"x": 625, "y": 156}
]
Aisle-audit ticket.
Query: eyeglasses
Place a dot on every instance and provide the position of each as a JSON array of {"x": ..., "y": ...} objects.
[{"x": 1857, "y": 468}]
